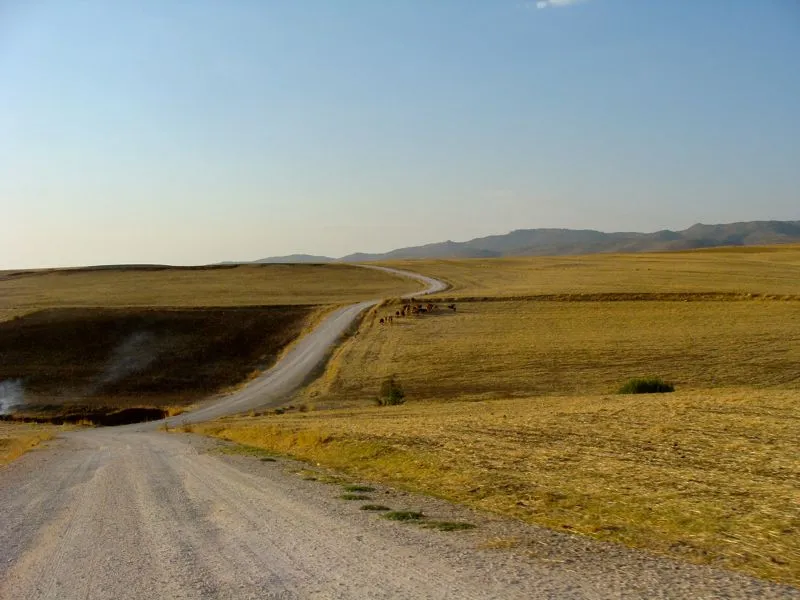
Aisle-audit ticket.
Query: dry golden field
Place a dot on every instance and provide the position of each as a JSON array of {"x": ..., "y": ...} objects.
[
  {"x": 767, "y": 270},
  {"x": 189, "y": 287},
  {"x": 511, "y": 404},
  {"x": 501, "y": 349},
  {"x": 17, "y": 438},
  {"x": 709, "y": 477}
]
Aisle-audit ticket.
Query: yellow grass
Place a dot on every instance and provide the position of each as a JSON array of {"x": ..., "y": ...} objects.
[
  {"x": 242, "y": 285},
  {"x": 710, "y": 477},
  {"x": 509, "y": 348},
  {"x": 767, "y": 270},
  {"x": 17, "y": 438},
  {"x": 8, "y": 314}
]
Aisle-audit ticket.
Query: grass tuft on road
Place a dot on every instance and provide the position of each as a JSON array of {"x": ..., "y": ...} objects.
[
  {"x": 403, "y": 515},
  {"x": 354, "y": 497}
]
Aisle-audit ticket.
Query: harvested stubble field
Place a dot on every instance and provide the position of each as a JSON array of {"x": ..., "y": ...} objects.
[
  {"x": 708, "y": 477},
  {"x": 491, "y": 349},
  {"x": 752, "y": 270},
  {"x": 221, "y": 285}
]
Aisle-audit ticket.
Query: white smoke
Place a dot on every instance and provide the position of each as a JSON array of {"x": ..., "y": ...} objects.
[
  {"x": 12, "y": 395},
  {"x": 133, "y": 355}
]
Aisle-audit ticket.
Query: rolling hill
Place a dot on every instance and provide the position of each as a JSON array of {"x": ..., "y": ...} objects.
[{"x": 542, "y": 242}]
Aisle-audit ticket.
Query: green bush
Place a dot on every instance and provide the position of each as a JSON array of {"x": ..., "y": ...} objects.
[
  {"x": 646, "y": 385},
  {"x": 391, "y": 393}
]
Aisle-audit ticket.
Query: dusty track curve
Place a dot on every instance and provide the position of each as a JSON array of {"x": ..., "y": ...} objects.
[{"x": 300, "y": 362}]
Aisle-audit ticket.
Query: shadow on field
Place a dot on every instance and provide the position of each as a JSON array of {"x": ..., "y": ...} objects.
[{"x": 87, "y": 415}]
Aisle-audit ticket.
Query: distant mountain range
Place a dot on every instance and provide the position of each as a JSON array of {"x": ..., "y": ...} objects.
[
  {"x": 297, "y": 258},
  {"x": 542, "y": 242}
]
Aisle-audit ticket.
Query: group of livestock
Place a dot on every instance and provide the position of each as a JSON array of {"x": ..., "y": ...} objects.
[{"x": 413, "y": 308}]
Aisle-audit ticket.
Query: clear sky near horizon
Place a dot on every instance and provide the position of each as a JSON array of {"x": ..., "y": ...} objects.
[{"x": 180, "y": 132}]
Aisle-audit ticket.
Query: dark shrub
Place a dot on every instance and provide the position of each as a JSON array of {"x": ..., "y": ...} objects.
[
  {"x": 646, "y": 385},
  {"x": 391, "y": 393}
]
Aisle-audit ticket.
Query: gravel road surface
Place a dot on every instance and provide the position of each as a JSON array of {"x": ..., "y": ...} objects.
[
  {"x": 109, "y": 514},
  {"x": 135, "y": 513}
]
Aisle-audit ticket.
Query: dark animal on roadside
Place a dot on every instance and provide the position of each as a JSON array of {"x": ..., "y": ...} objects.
[
  {"x": 381, "y": 321},
  {"x": 452, "y": 307},
  {"x": 397, "y": 313}
]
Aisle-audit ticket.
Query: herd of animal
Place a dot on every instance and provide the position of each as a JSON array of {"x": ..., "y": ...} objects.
[{"x": 411, "y": 308}]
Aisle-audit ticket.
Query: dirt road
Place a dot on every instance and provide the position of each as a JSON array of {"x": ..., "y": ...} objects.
[
  {"x": 300, "y": 362},
  {"x": 125, "y": 513},
  {"x": 107, "y": 514}
]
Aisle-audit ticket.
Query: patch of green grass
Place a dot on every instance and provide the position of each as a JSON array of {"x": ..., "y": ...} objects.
[
  {"x": 404, "y": 515},
  {"x": 245, "y": 450},
  {"x": 646, "y": 385},
  {"x": 375, "y": 507},
  {"x": 354, "y": 497},
  {"x": 358, "y": 488},
  {"x": 448, "y": 525}
]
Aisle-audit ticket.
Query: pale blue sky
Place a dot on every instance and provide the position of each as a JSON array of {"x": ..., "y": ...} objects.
[{"x": 193, "y": 131}]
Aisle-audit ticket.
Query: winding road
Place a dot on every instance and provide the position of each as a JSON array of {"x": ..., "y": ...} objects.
[
  {"x": 134, "y": 513},
  {"x": 301, "y": 360}
]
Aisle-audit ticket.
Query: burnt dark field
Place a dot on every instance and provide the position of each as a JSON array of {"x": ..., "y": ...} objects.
[{"x": 89, "y": 364}]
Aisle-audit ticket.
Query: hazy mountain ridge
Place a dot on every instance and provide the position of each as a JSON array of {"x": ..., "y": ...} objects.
[
  {"x": 543, "y": 242},
  {"x": 297, "y": 258}
]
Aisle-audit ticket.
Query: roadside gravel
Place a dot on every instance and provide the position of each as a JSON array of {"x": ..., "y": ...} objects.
[{"x": 112, "y": 514}]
